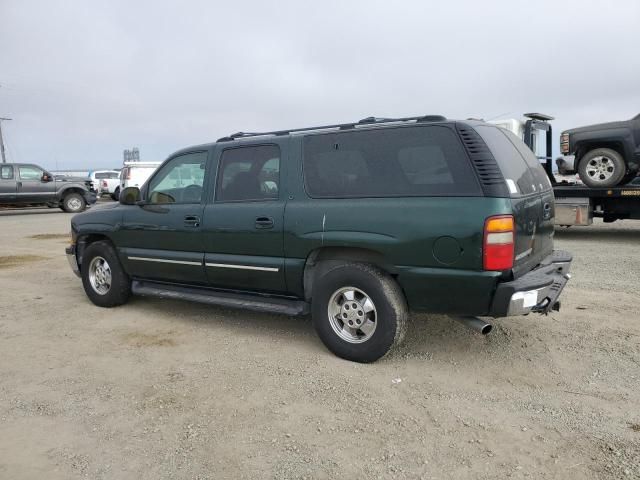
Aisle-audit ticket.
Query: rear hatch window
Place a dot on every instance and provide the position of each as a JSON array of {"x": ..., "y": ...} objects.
[
  {"x": 520, "y": 167},
  {"x": 388, "y": 162}
]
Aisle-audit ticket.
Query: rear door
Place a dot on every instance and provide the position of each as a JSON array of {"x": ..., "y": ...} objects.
[
  {"x": 531, "y": 196},
  {"x": 242, "y": 225},
  {"x": 7, "y": 184}
]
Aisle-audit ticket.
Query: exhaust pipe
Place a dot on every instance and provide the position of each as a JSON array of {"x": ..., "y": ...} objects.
[{"x": 474, "y": 323}]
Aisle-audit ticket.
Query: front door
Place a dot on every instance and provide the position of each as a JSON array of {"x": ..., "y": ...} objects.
[
  {"x": 7, "y": 184},
  {"x": 161, "y": 238},
  {"x": 31, "y": 188},
  {"x": 242, "y": 227}
]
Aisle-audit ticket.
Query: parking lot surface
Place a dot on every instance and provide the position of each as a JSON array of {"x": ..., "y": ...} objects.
[{"x": 169, "y": 389}]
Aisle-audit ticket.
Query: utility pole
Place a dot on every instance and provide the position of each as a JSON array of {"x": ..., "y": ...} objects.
[{"x": 4, "y": 159}]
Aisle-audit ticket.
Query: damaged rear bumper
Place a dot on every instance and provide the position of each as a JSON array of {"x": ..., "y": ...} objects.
[{"x": 537, "y": 291}]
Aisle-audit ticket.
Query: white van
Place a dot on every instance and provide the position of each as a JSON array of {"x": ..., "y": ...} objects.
[{"x": 134, "y": 174}]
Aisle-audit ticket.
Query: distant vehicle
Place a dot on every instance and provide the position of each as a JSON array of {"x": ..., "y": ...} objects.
[
  {"x": 576, "y": 203},
  {"x": 28, "y": 184},
  {"x": 356, "y": 223},
  {"x": 134, "y": 174},
  {"x": 604, "y": 155},
  {"x": 105, "y": 182}
]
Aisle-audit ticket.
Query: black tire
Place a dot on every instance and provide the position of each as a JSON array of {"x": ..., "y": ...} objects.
[
  {"x": 119, "y": 289},
  {"x": 611, "y": 164},
  {"x": 73, "y": 203},
  {"x": 390, "y": 311},
  {"x": 116, "y": 194}
]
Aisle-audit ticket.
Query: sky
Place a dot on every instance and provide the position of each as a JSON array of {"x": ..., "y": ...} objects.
[{"x": 84, "y": 80}]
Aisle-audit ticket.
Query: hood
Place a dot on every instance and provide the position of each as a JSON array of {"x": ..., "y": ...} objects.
[{"x": 602, "y": 126}]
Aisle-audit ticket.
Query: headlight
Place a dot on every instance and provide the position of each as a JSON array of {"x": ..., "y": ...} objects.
[{"x": 564, "y": 143}]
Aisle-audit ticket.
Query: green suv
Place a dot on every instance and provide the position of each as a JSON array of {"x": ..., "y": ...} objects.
[{"x": 355, "y": 223}]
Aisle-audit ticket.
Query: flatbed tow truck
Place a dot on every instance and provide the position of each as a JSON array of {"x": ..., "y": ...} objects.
[{"x": 576, "y": 204}]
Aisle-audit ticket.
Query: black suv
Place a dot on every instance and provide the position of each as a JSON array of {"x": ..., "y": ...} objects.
[
  {"x": 28, "y": 184},
  {"x": 357, "y": 223}
]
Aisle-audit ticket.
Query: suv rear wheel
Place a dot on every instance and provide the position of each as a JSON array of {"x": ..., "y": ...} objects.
[
  {"x": 73, "y": 203},
  {"x": 359, "y": 312},
  {"x": 602, "y": 167},
  {"x": 103, "y": 278}
]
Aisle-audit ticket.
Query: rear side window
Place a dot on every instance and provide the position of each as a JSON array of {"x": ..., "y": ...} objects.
[
  {"x": 6, "y": 172},
  {"x": 249, "y": 174},
  {"x": 389, "y": 162},
  {"x": 521, "y": 169}
]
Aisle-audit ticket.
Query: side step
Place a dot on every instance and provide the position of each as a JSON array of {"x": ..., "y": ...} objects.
[{"x": 245, "y": 301}]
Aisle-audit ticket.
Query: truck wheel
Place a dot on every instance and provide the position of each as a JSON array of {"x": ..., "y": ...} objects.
[
  {"x": 74, "y": 203},
  {"x": 116, "y": 194},
  {"x": 602, "y": 167},
  {"x": 103, "y": 278},
  {"x": 359, "y": 312}
]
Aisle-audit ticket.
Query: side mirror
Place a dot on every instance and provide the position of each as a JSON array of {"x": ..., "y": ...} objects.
[
  {"x": 46, "y": 177},
  {"x": 130, "y": 196}
]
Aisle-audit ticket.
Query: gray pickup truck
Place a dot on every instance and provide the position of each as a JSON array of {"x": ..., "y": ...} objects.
[{"x": 28, "y": 184}]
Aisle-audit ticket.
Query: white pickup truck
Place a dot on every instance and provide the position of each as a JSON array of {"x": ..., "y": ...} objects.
[
  {"x": 105, "y": 182},
  {"x": 134, "y": 174}
]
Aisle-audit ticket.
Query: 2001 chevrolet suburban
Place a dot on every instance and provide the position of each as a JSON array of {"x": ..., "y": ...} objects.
[{"x": 358, "y": 223}]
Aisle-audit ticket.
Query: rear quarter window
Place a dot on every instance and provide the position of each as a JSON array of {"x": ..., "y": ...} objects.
[
  {"x": 521, "y": 169},
  {"x": 388, "y": 162}
]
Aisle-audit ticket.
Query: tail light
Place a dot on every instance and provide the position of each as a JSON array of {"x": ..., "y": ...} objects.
[
  {"x": 564, "y": 143},
  {"x": 498, "y": 243},
  {"x": 127, "y": 173},
  {"x": 104, "y": 183}
]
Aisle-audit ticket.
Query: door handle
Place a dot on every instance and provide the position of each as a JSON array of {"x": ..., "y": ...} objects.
[
  {"x": 18, "y": 184},
  {"x": 192, "y": 221},
  {"x": 264, "y": 222}
]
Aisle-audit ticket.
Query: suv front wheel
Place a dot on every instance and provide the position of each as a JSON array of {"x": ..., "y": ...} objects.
[
  {"x": 359, "y": 312},
  {"x": 103, "y": 278}
]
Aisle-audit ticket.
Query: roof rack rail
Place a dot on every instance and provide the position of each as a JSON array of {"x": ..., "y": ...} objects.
[{"x": 339, "y": 126}]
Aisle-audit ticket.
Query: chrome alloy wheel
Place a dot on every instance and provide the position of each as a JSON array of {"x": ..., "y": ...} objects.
[
  {"x": 74, "y": 204},
  {"x": 352, "y": 315},
  {"x": 600, "y": 168},
  {"x": 100, "y": 275}
]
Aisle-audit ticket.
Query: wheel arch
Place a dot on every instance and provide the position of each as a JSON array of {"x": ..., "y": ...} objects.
[
  {"x": 585, "y": 147},
  {"x": 85, "y": 239},
  {"x": 323, "y": 259}
]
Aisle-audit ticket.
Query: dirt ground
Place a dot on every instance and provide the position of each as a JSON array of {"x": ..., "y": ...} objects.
[{"x": 161, "y": 389}]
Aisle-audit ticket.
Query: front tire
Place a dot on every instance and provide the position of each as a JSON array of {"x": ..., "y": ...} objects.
[
  {"x": 74, "y": 203},
  {"x": 602, "y": 168},
  {"x": 103, "y": 278},
  {"x": 359, "y": 312}
]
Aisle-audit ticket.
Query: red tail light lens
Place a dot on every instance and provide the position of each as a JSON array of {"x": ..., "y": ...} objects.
[
  {"x": 104, "y": 183},
  {"x": 498, "y": 243},
  {"x": 127, "y": 173}
]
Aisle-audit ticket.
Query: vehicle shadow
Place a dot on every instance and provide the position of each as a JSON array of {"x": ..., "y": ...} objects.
[{"x": 426, "y": 334}]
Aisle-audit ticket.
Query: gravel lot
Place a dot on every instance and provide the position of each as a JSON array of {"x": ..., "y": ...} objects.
[{"x": 167, "y": 389}]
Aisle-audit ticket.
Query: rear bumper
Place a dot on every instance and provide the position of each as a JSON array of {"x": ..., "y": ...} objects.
[
  {"x": 537, "y": 291},
  {"x": 71, "y": 258}
]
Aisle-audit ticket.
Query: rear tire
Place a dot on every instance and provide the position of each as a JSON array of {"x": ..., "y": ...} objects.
[
  {"x": 359, "y": 312},
  {"x": 116, "y": 194},
  {"x": 74, "y": 203},
  {"x": 103, "y": 278},
  {"x": 602, "y": 167}
]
